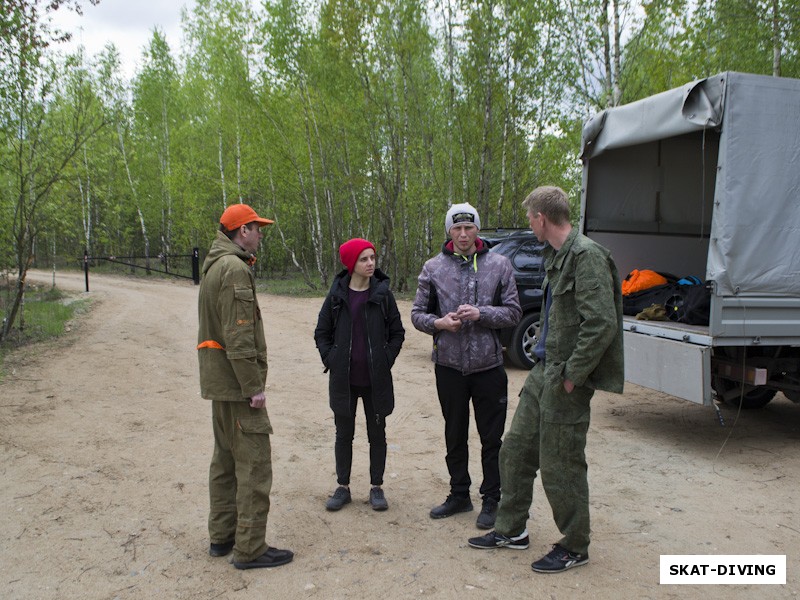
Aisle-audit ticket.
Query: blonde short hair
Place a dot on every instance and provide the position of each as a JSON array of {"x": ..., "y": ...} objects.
[{"x": 549, "y": 200}]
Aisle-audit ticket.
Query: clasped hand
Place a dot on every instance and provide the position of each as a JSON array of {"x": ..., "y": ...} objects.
[{"x": 452, "y": 321}]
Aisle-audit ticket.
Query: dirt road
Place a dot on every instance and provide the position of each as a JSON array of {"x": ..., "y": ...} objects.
[{"x": 105, "y": 443}]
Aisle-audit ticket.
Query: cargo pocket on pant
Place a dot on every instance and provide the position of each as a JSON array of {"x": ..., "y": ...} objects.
[
  {"x": 253, "y": 468},
  {"x": 256, "y": 424},
  {"x": 254, "y": 445}
]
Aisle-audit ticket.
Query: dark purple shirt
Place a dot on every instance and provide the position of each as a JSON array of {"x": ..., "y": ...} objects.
[{"x": 359, "y": 365}]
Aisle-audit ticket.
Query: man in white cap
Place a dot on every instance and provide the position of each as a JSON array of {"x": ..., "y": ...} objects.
[{"x": 465, "y": 294}]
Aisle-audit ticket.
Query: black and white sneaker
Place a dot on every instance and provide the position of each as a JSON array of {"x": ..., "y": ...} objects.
[
  {"x": 559, "y": 559},
  {"x": 498, "y": 540}
]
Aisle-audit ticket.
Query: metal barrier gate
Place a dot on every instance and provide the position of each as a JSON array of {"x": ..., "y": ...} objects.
[{"x": 195, "y": 256}]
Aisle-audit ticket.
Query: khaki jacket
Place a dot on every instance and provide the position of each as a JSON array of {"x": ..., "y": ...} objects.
[
  {"x": 229, "y": 316},
  {"x": 584, "y": 336}
]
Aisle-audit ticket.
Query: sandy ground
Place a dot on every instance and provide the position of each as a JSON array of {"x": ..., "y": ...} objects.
[{"x": 105, "y": 443}]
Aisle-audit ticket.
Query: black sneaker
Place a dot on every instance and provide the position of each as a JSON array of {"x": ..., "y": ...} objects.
[
  {"x": 451, "y": 506},
  {"x": 498, "y": 540},
  {"x": 339, "y": 498},
  {"x": 488, "y": 514},
  {"x": 377, "y": 500},
  {"x": 271, "y": 558},
  {"x": 222, "y": 549},
  {"x": 559, "y": 559}
]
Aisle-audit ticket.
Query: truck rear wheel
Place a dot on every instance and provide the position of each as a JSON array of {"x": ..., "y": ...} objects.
[
  {"x": 753, "y": 397},
  {"x": 735, "y": 393},
  {"x": 523, "y": 341}
]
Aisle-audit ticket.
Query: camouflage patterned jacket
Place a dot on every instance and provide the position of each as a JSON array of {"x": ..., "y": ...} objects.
[
  {"x": 584, "y": 338},
  {"x": 448, "y": 280}
]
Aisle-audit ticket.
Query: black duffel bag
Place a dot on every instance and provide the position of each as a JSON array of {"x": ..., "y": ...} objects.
[
  {"x": 633, "y": 304},
  {"x": 689, "y": 304}
]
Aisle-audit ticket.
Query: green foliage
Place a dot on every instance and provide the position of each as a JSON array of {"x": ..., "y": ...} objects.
[{"x": 344, "y": 118}]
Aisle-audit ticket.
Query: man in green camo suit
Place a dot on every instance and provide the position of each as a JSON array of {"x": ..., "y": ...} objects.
[
  {"x": 233, "y": 370},
  {"x": 579, "y": 351}
]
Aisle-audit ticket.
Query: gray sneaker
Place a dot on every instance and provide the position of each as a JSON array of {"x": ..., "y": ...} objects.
[
  {"x": 339, "y": 498},
  {"x": 377, "y": 500}
]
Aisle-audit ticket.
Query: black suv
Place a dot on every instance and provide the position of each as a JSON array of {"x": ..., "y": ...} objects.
[{"x": 524, "y": 251}]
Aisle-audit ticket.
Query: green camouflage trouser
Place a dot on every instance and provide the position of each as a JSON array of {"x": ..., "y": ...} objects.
[
  {"x": 547, "y": 434},
  {"x": 240, "y": 478}
]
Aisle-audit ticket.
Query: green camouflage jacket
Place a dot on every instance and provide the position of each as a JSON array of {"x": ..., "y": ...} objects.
[{"x": 584, "y": 339}]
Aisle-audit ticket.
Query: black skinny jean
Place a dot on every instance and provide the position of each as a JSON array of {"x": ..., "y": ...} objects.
[{"x": 376, "y": 434}]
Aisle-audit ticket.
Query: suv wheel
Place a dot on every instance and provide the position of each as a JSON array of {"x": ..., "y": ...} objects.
[{"x": 523, "y": 341}]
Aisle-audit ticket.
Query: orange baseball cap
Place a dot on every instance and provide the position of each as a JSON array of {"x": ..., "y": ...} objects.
[{"x": 237, "y": 215}]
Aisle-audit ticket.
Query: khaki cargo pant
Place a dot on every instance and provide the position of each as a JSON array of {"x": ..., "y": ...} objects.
[
  {"x": 240, "y": 478},
  {"x": 547, "y": 434}
]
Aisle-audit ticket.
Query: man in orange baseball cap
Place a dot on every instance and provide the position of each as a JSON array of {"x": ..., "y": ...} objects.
[
  {"x": 237, "y": 215},
  {"x": 233, "y": 370}
]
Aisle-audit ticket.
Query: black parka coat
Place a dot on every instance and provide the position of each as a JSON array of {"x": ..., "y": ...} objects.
[{"x": 385, "y": 335}]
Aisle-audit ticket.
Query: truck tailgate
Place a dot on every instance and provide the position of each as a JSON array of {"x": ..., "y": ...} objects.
[{"x": 668, "y": 365}]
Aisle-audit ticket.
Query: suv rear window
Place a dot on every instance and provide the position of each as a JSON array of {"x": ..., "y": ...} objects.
[{"x": 528, "y": 257}]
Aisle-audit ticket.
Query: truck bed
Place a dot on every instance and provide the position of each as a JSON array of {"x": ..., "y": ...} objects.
[{"x": 693, "y": 334}]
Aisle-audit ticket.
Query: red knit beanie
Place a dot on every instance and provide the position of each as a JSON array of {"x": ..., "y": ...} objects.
[{"x": 350, "y": 251}]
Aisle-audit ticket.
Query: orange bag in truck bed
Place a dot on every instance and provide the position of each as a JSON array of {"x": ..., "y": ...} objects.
[{"x": 638, "y": 280}]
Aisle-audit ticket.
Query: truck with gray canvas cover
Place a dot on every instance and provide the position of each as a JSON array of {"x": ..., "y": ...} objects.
[{"x": 704, "y": 180}]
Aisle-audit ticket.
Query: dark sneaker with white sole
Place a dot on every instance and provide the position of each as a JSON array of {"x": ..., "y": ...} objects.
[
  {"x": 451, "y": 506},
  {"x": 377, "y": 500},
  {"x": 339, "y": 498},
  {"x": 559, "y": 559},
  {"x": 498, "y": 540}
]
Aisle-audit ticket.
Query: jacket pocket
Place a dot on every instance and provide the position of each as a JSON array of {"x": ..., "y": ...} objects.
[
  {"x": 568, "y": 408},
  {"x": 563, "y": 310},
  {"x": 390, "y": 355},
  {"x": 328, "y": 362},
  {"x": 245, "y": 303}
]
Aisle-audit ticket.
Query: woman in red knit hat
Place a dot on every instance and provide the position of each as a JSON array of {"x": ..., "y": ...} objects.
[{"x": 359, "y": 335}]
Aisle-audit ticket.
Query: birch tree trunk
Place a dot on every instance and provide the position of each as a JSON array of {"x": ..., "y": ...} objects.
[
  {"x": 327, "y": 192},
  {"x": 316, "y": 223},
  {"x": 617, "y": 91},
  {"x": 221, "y": 165},
  {"x": 606, "y": 33},
  {"x": 166, "y": 168},
  {"x": 486, "y": 150},
  {"x": 777, "y": 45},
  {"x": 135, "y": 196},
  {"x": 86, "y": 204}
]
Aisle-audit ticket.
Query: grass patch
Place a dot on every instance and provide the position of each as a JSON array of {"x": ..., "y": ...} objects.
[
  {"x": 290, "y": 285},
  {"x": 45, "y": 315}
]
